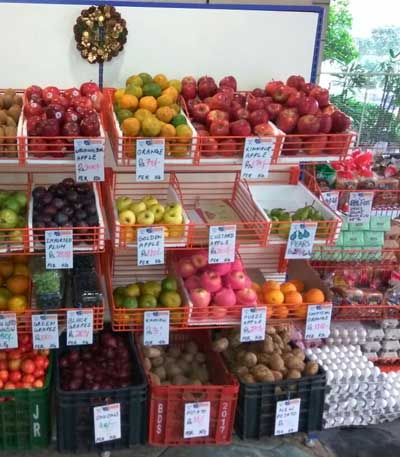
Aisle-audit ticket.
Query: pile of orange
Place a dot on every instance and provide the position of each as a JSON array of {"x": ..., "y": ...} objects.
[
  {"x": 14, "y": 284},
  {"x": 288, "y": 299}
]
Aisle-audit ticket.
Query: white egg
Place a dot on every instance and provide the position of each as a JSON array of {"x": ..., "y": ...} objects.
[
  {"x": 344, "y": 332},
  {"x": 329, "y": 376},
  {"x": 323, "y": 357},
  {"x": 335, "y": 332},
  {"x": 339, "y": 375},
  {"x": 370, "y": 364}
]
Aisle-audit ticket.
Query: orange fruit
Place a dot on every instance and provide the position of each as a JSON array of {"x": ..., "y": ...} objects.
[
  {"x": 21, "y": 259},
  {"x": 287, "y": 287},
  {"x": 165, "y": 114},
  {"x": 21, "y": 269},
  {"x": 18, "y": 284},
  {"x": 274, "y": 297},
  {"x": 18, "y": 304},
  {"x": 165, "y": 100},
  {"x": 270, "y": 285},
  {"x": 131, "y": 126},
  {"x": 315, "y": 296},
  {"x": 168, "y": 130},
  {"x": 172, "y": 92},
  {"x": 6, "y": 268},
  {"x": 293, "y": 298},
  {"x": 298, "y": 284},
  {"x": 300, "y": 311},
  {"x": 279, "y": 312},
  {"x": 128, "y": 102},
  {"x": 161, "y": 80},
  {"x": 149, "y": 103}
]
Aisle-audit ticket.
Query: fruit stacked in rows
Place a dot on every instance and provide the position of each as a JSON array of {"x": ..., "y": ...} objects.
[
  {"x": 67, "y": 204},
  {"x": 23, "y": 368},
  {"x": 221, "y": 111},
  {"x": 147, "y": 107},
  {"x": 12, "y": 216},
  {"x": 51, "y": 112},
  {"x": 148, "y": 211},
  {"x": 14, "y": 284},
  {"x": 10, "y": 111}
]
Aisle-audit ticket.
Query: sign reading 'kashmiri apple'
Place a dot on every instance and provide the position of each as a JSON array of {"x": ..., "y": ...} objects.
[
  {"x": 257, "y": 156},
  {"x": 89, "y": 160}
]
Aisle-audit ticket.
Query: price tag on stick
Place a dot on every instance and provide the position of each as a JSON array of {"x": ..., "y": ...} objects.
[
  {"x": 156, "y": 328},
  {"x": 287, "y": 416},
  {"x": 360, "y": 206},
  {"x": 107, "y": 423},
  {"x": 253, "y": 323},
  {"x": 197, "y": 419},
  {"x": 45, "y": 331},
  {"x": 79, "y": 327},
  {"x": 59, "y": 249},
  {"x": 150, "y": 250},
  {"x": 331, "y": 199},
  {"x": 301, "y": 240},
  {"x": 150, "y": 157},
  {"x": 8, "y": 331},
  {"x": 257, "y": 157},
  {"x": 221, "y": 243},
  {"x": 318, "y": 323},
  {"x": 89, "y": 160}
]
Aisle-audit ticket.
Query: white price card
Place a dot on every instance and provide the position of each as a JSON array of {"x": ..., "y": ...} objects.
[
  {"x": 318, "y": 323},
  {"x": 221, "y": 243},
  {"x": 79, "y": 327},
  {"x": 89, "y": 160},
  {"x": 197, "y": 419},
  {"x": 156, "y": 328},
  {"x": 301, "y": 240},
  {"x": 45, "y": 331},
  {"x": 107, "y": 423},
  {"x": 150, "y": 158},
  {"x": 150, "y": 249},
  {"x": 331, "y": 199},
  {"x": 287, "y": 416},
  {"x": 257, "y": 157},
  {"x": 59, "y": 249},
  {"x": 360, "y": 206},
  {"x": 8, "y": 331},
  {"x": 253, "y": 323}
]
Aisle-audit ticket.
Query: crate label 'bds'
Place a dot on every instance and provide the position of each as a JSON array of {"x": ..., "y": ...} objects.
[
  {"x": 150, "y": 159},
  {"x": 287, "y": 416},
  {"x": 156, "y": 328},
  {"x": 150, "y": 250},
  {"x": 89, "y": 160},
  {"x": 107, "y": 423},
  {"x": 197, "y": 420},
  {"x": 45, "y": 331},
  {"x": 79, "y": 327},
  {"x": 59, "y": 249},
  {"x": 318, "y": 323},
  {"x": 257, "y": 157},
  {"x": 221, "y": 243},
  {"x": 252, "y": 326},
  {"x": 331, "y": 199},
  {"x": 8, "y": 331},
  {"x": 301, "y": 240},
  {"x": 360, "y": 206}
]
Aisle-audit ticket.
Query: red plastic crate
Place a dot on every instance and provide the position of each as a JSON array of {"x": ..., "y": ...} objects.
[
  {"x": 167, "y": 402},
  {"x": 364, "y": 312}
]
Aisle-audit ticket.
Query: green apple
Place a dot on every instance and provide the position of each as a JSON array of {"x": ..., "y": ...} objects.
[
  {"x": 21, "y": 198},
  {"x": 12, "y": 203},
  {"x": 151, "y": 288},
  {"x": 174, "y": 206},
  {"x": 119, "y": 291},
  {"x": 118, "y": 300},
  {"x": 147, "y": 301},
  {"x": 158, "y": 211},
  {"x": 3, "y": 196},
  {"x": 130, "y": 302},
  {"x": 145, "y": 218},
  {"x": 149, "y": 200},
  {"x": 127, "y": 217},
  {"x": 170, "y": 299},
  {"x": 8, "y": 219},
  {"x": 16, "y": 236},
  {"x": 169, "y": 284},
  {"x": 132, "y": 290},
  {"x": 123, "y": 203},
  {"x": 137, "y": 207},
  {"x": 173, "y": 216},
  {"x": 21, "y": 222}
]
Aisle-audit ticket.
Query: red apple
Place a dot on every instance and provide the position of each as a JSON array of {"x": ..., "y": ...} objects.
[
  {"x": 220, "y": 127},
  {"x": 189, "y": 90},
  {"x": 228, "y": 81},
  {"x": 325, "y": 124},
  {"x": 55, "y": 111},
  {"x": 287, "y": 120},
  {"x": 308, "y": 124},
  {"x": 97, "y": 100},
  {"x": 240, "y": 98},
  {"x": 264, "y": 130},
  {"x": 188, "y": 80},
  {"x": 340, "y": 122},
  {"x": 258, "y": 92},
  {"x": 240, "y": 128},
  {"x": 70, "y": 129},
  {"x": 242, "y": 114},
  {"x": 228, "y": 147},
  {"x": 267, "y": 101},
  {"x": 314, "y": 145},
  {"x": 228, "y": 91},
  {"x": 220, "y": 101},
  {"x": 200, "y": 112},
  {"x": 292, "y": 145},
  {"x": 71, "y": 115},
  {"x": 296, "y": 81},
  {"x": 308, "y": 105},
  {"x": 272, "y": 86},
  {"x": 246, "y": 296},
  {"x": 308, "y": 87},
  {"x": 48, "y": 93},
  {"x": 209, "y": 147},
  {"x": 32, "y": 123},
  {"x": 207, "y": 100},
  {"x": 216, "y": 115},
  {"x": 38, "y": 147},
  {"x": 206, "y": 87},
  {"x": 321, "y": 95},
  {"x": 191, "y": 103},
  {"x": 37, "y": 98},
  {"x": 200, "y": 297},
  {"x": 72, "y": 92},
  {"x": 32, "y": 109},
  {"x": 259, "y": 116},
  {"x": 273, "y": 110},
  {"x": 90, "y": 126},
  {"x": 254, "y": 103},
  {"x": 58, "y": 148},
  {"x": 329, "y": 109},
  {"x": 61, "y": 100},
  {"x": 294, "y": 99},
  {"x": 186, "y": 268},
  {"x": 235, "y": 106},
  {"x": 282, "y": 94},
  {"x": 89, "y": 88},
  {"x": 51, "y": 127},
  {"x": 33, "y": 90}
]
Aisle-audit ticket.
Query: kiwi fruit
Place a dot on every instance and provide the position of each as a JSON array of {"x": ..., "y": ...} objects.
[
  {"x": 2, "y": 134},
  {"x": 10, "y": 122},
  {"x": 11, "y": 132},
  {"x": 17, "y": 100},
  {"x": 14, "y": 112},
  {"x": 1, "y": 101},
  {"x": 3, "y": 117},
  {"x": 7, "y": 101}
]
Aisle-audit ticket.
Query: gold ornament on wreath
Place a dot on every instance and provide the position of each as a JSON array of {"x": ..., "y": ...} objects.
[{"x": 100, "y": 33}]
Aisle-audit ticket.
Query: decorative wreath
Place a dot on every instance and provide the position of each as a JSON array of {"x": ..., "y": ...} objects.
[{"x": 100, "y": 33}]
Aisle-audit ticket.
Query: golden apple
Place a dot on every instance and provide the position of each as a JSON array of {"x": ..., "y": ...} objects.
[
  {"x": 145, "y": 218},
  {"x": 127, "y": 217},
  {"x": 158, "y": 211},
  {"x": 137, "y": 207},
  {"x": 149, "y": 200}
]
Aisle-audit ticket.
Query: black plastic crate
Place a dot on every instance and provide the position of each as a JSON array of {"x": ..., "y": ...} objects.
[
  {"x": 255, "y": 414},
  {"x": 74, "y": 410}
]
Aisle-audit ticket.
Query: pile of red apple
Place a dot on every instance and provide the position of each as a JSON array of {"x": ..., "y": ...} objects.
[
  {"x": 219, "y": 111},
  {"x": 215, "y": 288},
  {"x": 52, "y": 113}
]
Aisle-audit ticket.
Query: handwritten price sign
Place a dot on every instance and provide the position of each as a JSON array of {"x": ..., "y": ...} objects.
[
  {"x": 257, "y": 156},
  {"x": 287, "y": 416},
  {"x": 45, "y": 331},
  {"x": 253, "y": 322},
  {"x": 79, "y": 327},
  {"x": 301, "y": 240},
  {"x": 221, "y": 243},
  {"x": 318, "y": 323},
  {"x": 360, "y": 206},
  {"x": 8, "y": 331},
  {"x": 59, "y": 249},
  {"x": 89, "y": 160},
  {"x": 107, "y": 423},
  {"x": 197, "y": 419},
  {"x": 156, "y": 328},
  {"x": 150, "y": 248},
  {"x": 150, "y": 158},
  {"x": 331, "y": 199}
]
